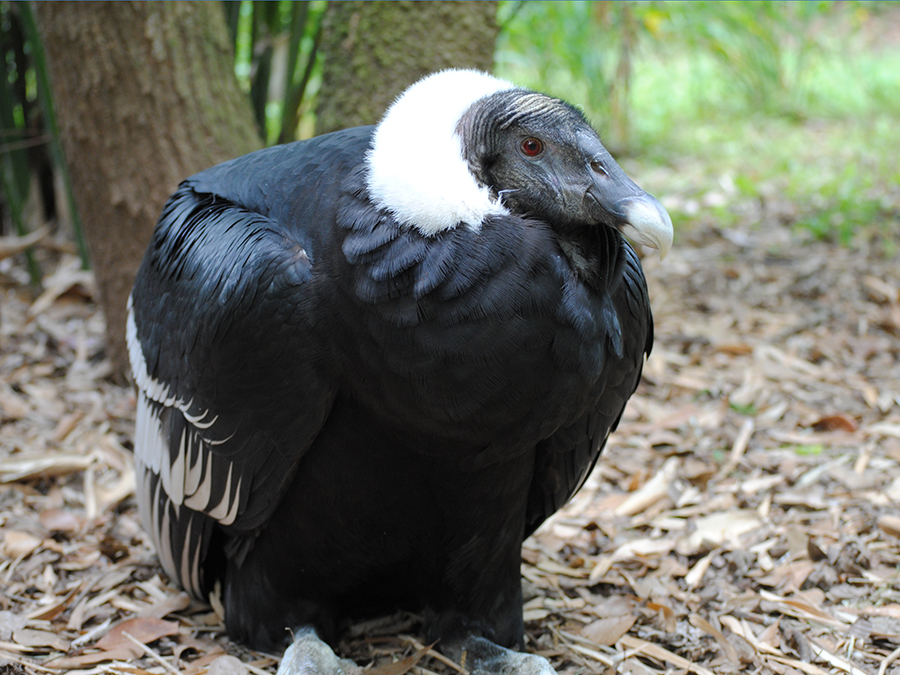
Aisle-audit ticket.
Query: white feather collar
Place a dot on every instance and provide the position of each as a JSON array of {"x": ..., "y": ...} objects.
[{"x": 416, "y": 165}]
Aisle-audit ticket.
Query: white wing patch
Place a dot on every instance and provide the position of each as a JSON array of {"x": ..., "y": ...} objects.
[
  {"x": 154, "y": 390},
  {"x": 168, "y": 482},
  {"x": 187, "y": 478},
  {"x": 148, "y": 432},
  {"x": 416, "y": 165}
]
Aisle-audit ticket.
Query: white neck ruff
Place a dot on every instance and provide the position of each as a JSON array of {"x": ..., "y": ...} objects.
[{"x": 416, "y": 165}]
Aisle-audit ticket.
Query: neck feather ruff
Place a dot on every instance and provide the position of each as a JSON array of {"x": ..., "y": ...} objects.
[{"x": 416, "y": 166}]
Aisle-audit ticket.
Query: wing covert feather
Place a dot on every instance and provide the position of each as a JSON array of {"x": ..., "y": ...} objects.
[
  {"x": 224, "y": 353},
  {"x": 565, "y": 459}
]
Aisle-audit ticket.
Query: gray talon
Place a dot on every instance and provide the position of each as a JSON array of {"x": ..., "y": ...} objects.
[
  {"x": 308, "y": 655},
  {"x": 483, "y": 657}
]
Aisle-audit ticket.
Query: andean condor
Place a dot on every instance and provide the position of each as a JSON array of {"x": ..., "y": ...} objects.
[{"x": 371, "y": 363}]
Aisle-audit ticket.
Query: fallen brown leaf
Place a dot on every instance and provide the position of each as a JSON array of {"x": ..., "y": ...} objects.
[
  {"x": 400, "y": 667},
  {"x": 10, "y": 246},
  {"x": 836, "y": 422},
  {"x": 28, "y": 637},
  {"x": 60, "y": 520},
  {"x": 227, "y": 665},
  {"x": 18, "y": 544},
  {"x": 145, "y": 630},
  {"x": 89, "y": 659},
  {"x": 606, "y": 632}
]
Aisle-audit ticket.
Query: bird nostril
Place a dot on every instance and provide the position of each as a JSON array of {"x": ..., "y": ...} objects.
[{"x": 598, "y": 168}]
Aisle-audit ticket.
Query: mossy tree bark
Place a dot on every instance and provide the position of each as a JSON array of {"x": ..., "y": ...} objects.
[
  {"x": 146, "y": 95},
  {"x": 374, "y": 50}
]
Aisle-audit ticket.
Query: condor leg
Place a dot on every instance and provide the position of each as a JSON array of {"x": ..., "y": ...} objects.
[
  {"x": 309, "y": 655},
  {"x": 482, "y": 657}
]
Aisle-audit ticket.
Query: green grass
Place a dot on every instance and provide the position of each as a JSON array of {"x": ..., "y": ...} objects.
[
  {"x": 815, "y": 136},
  {"x": 806, "y": 450},
  {"x": 749, "y": 409}
]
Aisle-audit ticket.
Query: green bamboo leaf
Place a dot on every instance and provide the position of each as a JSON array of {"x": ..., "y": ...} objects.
[
  {"x": 232, "y": 9},
  {"x": 45, "y": 98},
  {"x": 296, "y": 92},
  {"x": 261, "y": 51},
  {"x": 15, "y": 154},
  {"x": 299, "y": 16},
  {"x": 15, "y": 173}
]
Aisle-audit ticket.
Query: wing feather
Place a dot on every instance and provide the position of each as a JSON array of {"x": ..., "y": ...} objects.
[
  {"x": 565, "y": 459},
  {"x": 227, "y": 365}
]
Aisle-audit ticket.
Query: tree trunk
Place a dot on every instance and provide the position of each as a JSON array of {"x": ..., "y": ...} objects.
[
  {"x": 374, "y": 50},
  {"x": 145, "y": 95}
]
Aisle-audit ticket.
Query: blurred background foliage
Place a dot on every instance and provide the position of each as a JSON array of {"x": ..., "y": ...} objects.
[
  {"x": 744, "y": 102},
  {"x": 714, "y": 106},
  {"x": 276, "y": 45}
]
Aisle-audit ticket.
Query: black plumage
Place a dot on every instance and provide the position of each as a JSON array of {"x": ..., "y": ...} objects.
[{"x": 340, "y": 411}]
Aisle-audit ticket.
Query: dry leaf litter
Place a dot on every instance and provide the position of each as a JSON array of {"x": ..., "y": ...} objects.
[{"x": 743, "y": 518}]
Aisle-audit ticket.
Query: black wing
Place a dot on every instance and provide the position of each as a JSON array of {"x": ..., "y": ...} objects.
[
  {"x": 565, "y": 459},
  {"x": 232, "y": 375}
]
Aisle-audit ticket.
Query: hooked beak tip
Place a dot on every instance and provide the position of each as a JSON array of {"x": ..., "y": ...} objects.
[{"x": 647, "y": 222}]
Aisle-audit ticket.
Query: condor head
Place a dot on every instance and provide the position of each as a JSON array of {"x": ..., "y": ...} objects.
[
  {"x": 541, "y": 158},
  {"x": 460, "y": 146}
]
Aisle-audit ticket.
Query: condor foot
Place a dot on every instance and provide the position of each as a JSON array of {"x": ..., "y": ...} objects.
[
  {"x": 483, "y": 657},
  {"x": 308, "y": 655}
]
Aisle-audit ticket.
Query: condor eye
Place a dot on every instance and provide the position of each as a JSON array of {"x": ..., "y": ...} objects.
[{"x": 532, "y": 147}]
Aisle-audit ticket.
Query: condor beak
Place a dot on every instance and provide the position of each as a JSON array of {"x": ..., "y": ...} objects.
[
  {"x": 615, "y": 199},
  {"x": 646, "y": 222}
]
